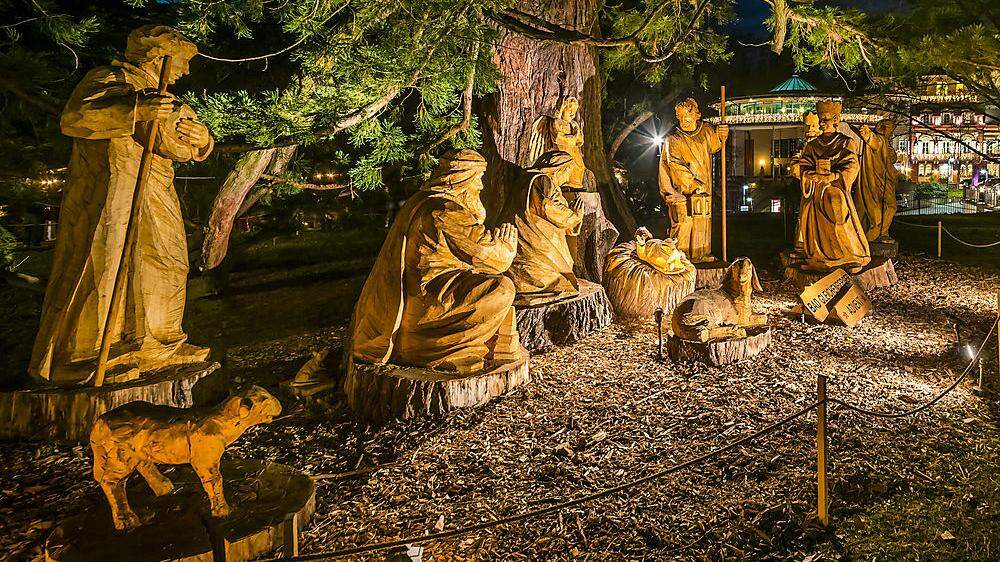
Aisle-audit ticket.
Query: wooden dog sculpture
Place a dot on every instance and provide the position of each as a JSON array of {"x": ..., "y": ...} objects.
[
  {"x": 723, "y": 313},
  {"x": 140, "y": 435}
]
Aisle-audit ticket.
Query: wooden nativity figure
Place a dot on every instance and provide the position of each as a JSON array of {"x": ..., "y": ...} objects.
[
  {"x": 646, "y": 274},
  {"x": 562, "y": 132},
  {"x": 811, "y": 124},
  {"x": 139, "y": 435},
  {"x": 543, "y": 267},
  {"x": 437, "y": 295},
  {"x": 685, "y": 179},
  {"x": 875, "y": 198},
  {"x": 108, "y": 116},
  {"x": 832, "y": 235},
  {"x": 722, "y": 313}
]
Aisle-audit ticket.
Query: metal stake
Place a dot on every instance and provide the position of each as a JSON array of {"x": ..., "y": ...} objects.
[
  {"x": 659, "y": 334},
  {"x": 823, "y": 505}
]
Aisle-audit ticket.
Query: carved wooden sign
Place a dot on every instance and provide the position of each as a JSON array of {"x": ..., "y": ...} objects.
[
  {"x": 816, "y": 298},
  {"x": 838, "y": 296},
  {"x": 853, "y": 306}
]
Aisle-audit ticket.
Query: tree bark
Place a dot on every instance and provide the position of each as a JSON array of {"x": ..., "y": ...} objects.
[
  {"x": 228, "y": 203},
  {"x": 536, "y": 76}
]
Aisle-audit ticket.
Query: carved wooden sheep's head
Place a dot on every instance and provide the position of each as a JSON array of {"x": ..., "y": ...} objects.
[
  {"x": 252, "y": 406},
  {"x": 742, "y": 277}
]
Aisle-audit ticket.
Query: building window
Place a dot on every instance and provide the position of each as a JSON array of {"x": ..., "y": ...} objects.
[{"x": 947, "y": 119}]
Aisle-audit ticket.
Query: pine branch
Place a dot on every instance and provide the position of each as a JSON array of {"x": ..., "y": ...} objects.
[
  {"x": 466, "y": 108},
  {"x": 538, "y": 28},
  {"x": 40, "y": 101}
]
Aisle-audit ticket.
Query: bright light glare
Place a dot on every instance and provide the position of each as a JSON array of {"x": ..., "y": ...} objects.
[
  {"x": 969, "y": 351},
  {"x": 658, "y": 140}
]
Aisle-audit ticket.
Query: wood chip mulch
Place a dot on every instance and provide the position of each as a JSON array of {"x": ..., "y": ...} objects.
[{"x": 605, "y": 411}]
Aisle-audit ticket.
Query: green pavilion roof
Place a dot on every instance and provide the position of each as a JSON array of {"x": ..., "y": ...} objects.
[{"x": 794, "y": 84}]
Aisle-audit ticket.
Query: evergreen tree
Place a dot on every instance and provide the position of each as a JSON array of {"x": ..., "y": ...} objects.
[{"x": 379, "y": 87}]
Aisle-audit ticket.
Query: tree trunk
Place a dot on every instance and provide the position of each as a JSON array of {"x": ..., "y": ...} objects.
[
  {"x": 537, "y": 75},
  {"x": 229, "y": 202}
]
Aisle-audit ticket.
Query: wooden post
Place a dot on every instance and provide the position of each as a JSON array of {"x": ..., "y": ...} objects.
[
  {"x": 939, "y": 238},
  {"x": 291, "y": 536},
  {"x": 822, "y": 502},
  {"x": 722, "y": 166},
  {"x": 131, "y": 233}
]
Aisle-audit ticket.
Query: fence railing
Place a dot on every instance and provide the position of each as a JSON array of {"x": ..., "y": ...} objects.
[
  {"x": 823, "y": 400},
  {"x": 941, "y": 230}
]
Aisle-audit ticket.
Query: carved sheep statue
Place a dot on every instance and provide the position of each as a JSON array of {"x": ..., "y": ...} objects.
[
  {"x": 722, "y": 313},
  {"x": 140, "y": 435}
]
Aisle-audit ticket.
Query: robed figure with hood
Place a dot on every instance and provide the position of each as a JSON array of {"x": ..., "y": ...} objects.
[
  {"x": 875, "y": 197},
  {"x": 437, "y": 296},
  {"x": 543, "y": 268},
  {"x": 108, "y": 117}
]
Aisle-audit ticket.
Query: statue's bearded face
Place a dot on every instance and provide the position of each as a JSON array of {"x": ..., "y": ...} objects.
[
  {"x": 687, "y": 118},
  {"x": 828, "y": 122}
]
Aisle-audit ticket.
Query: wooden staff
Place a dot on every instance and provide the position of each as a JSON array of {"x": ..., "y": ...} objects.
[
  {"x": 131, "y": 233},
  {"x": 722, "y": 112}
]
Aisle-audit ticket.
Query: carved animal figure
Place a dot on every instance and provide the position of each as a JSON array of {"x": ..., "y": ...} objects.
[
  {"x": 140, "y": 435},
  {"x": 722, "y": 313}
]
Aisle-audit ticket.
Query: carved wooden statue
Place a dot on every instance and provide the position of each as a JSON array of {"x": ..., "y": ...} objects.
[
  {"x": 139, "y": 436},
  {"x": 543, "y": 268},
  {"x": 831, "y": 232},
  {"x": 811, "y": 122},
  {"x": 875, "y": 198},
  {"x": 437, "y": 296},
  {"x": 662, "y": 255},
  {"x": 722, "y": 313},
  {"x": 685, "y": 179},
  {"x": 562, "y": 132},
  {"x": 647, "y": 274},
  {"x": 107, "y": 117}
]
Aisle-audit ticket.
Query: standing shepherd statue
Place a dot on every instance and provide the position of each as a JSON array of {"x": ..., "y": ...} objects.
[
  {"x": 685, "y": 179},
  {"x": 108, "y": 116}
]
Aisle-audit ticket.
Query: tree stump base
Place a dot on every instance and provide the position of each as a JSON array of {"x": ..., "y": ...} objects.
[
  {"x": 710, "y": 274},
  {"x": 721, "y": 352},
  {"x": 884, "y": 248},
  {"x": 384, "y": 392},
  {"x": 270, "y": 504},
  {"x": 880, "y": 272},
  {"x": 564, "y": 321},
  {"x": 67, "y": 413}
]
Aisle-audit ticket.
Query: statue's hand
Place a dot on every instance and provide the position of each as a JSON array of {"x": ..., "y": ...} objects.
[
  {"x": 193, "y": 132},
  {"x": 506, "y": 233},
  {"x": 577, "y": 206},
  {"x": 723, "y": 131},
  {"x": 153, "y": 105},
  {"x": 866, "y": 133}
]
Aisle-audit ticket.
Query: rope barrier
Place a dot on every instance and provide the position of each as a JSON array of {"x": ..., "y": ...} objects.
[
  {"x": 935, "y": 400},
  {"x": 971, "y": 245},
  {"x": 552, "y": 508},
  {"x": 897, "y": 221}
]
